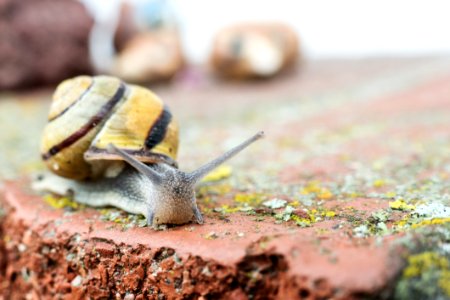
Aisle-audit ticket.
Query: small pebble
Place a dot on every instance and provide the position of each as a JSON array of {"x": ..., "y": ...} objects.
[
  {"x": 77, "y": 281},
  {"x": 129, "y": 297}
]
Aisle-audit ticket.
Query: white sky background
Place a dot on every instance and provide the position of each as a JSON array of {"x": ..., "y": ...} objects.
[{"x": 327, "y": 28}]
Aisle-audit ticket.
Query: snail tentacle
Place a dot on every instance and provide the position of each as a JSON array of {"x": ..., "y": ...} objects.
[
  {"x": 139, "y": 166},
  {"x": 201, "y": 172},
  {"x": 150, "y": 216},
  {"x": 197, "y": 214}
]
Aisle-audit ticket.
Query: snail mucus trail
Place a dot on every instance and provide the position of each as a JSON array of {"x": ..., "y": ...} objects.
[{"x": 149, "y": 184}]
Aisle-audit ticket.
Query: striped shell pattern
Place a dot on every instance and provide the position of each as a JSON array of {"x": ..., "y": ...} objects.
[{"x": 89, "y": 113}]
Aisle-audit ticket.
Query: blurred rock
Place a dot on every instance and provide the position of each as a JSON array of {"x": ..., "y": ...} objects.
[
  {"x": 137, "y": 41},
  {"x": 254, "y": 50},
  {"x": 150, "y": 56},
  {"x": 46, "y": 41},
  {"x": 42, "y": 41}
]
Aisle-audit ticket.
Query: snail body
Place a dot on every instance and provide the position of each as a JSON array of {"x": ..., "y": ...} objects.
[
  {"x": 112, "y": 144},
  {"x": 133, "y": 192}
]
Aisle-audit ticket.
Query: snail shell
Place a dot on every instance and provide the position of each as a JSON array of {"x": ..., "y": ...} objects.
[
  {"x": 254, "y": 50},
  {"x": 89, "y": 113},
  {"x": 150, "y": 56}
]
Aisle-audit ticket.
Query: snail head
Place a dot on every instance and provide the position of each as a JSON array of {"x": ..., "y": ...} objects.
[{"x": 176, "y": 186}]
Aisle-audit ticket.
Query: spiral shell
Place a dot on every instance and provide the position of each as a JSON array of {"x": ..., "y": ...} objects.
[
  {"x": 254, "y": 50},
  {"x": 89, "y": 113}
]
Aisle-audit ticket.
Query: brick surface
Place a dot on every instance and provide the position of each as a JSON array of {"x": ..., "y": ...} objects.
[{"x": 357, "y": 150}]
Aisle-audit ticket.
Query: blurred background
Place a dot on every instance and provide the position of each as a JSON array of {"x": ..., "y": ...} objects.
[
  {"x": 45, "y": 41},
  {"x": 225, "y": 68},
  {"x": 328, "y": 29}
]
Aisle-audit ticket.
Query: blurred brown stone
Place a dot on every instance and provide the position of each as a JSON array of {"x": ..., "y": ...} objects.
[
  {"x": 150, "y": 56},
  {"x": 254, "y": 50},
  {"x": 126, "y": 28},
  {"x": 46, "y": 41},
  {"x": 42, "y": 41}
]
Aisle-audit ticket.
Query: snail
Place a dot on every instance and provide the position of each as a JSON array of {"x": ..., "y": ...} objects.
[{"x": 108, "y": 143}]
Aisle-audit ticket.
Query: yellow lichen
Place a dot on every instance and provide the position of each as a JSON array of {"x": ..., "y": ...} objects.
[
  {"x": 301, "y": 221},
  {"x": 425, "y": 261},
  {"x": 311, "y": 187},
  {"x": 353, "y": 195},
  {"x": 435, "y": 221},
  {"x": 206, "y": 200},
  {"x": 321, "y": 213},
  {"x": 410, "y": 222},
  {"x": 61, "y": 202},
  {"x": 228, "y": 209},
  {"x": 325, "y": 194},
  {"x": 104, "y": 211},
  {"x": 390, "y": 194},
  {"x": 402, "y": 223},
  {"x": 400, "y": 204},
  {"x": 294, "y": 203},
  {"x": 251, "y": 199},
  {"x": 330, "y": 214},
  {"x": 207, "y": 210},
  {"x": 111, "y": 214},
  {"x": 314, "y": 215},
  {"x": 379, "y": 183},
  {"x": 216, "y": 189},
  {"x": 314, "y": 187},
  {"x": 219, "y": 173},
  {"x": 444, "y": 282}
]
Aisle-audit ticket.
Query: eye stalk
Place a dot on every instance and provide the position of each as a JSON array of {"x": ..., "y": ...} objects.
[
  {"x": 140, "y": 166},
  {"x": 193, "y": 177},
  {"x": 201, "y": 172}
]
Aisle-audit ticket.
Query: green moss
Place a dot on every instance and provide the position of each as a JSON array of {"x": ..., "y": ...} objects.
[
  {"x": 375, "y": 224},
  {"x": 126, "y": 220}
]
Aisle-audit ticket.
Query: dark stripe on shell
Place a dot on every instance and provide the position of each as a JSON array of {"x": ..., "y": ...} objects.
[
  {"x": 74, "y": 102},
  {"x": 158, "y": 131},
  {"x": 93, "y": 122}
]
